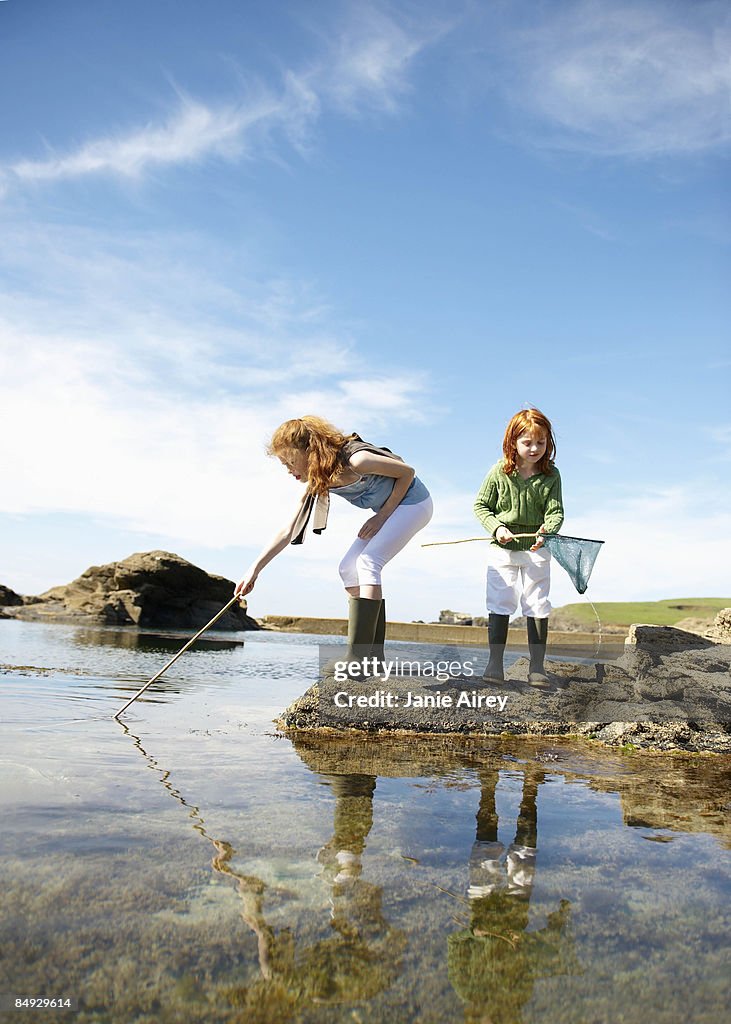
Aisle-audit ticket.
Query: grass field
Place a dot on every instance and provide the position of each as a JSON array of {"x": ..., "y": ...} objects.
[{"x": 656, "y": 613}]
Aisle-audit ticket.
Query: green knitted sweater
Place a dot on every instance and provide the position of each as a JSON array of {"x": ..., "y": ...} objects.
[{"x": 521, "y": 505}]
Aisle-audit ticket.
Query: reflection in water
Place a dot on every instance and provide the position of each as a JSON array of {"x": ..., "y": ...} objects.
[
  {"x": 361, "y": 958},
  {"x": 140, "y": 640},
  {"x": 685, "y": 794},
  {"x": 494, "y": 961},
  {"x": 357, "y": 904}
]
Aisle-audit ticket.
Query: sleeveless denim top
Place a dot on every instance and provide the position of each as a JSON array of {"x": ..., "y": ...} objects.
[{"x": 373, "y": 491}]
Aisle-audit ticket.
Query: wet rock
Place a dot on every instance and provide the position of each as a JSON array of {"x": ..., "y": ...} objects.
[
  {"x": 303, "y": 713},
  {"x": 150, "y": 588},
  {"x": 615, "y": 731}
]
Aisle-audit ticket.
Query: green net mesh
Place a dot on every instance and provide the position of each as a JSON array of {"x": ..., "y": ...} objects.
[{"x": 574, "y": 554}]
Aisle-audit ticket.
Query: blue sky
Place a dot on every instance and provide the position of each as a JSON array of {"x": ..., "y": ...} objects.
[{"x": 412, "y": 219}]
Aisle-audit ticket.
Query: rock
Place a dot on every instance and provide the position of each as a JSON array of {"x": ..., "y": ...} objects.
[
  {"x": 303, "y": 713},
  {"x": 670, "y": 690},
  {"x": 151, "y": 588},
  {"x": 646, "y": 647},
  {"x": 8, "y": 597},
  {"x": 450, "y": 618},
  {"x": 721, "y": 628},
  {"x": 663, "y": 639},
  {"x": 615, "y": 731}
]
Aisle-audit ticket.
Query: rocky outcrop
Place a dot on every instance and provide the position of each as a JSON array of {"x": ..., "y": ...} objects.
[
  {"x": 449, "y": 618},
  {"x": 151, "y": 588},
  {"x": 8, "y": 598},
  {"x": 721, "y": 628},
  {"x": 669, "y": 690}
]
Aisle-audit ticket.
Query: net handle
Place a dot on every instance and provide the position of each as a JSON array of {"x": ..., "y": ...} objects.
[{"x": 468, "y": 540}]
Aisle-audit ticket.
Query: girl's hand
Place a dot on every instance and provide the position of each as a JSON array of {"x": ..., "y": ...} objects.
[
  {"x": 539, "y": 540},
  {"x": 246, "y": 585},
  {"x": 371, "y": 526},
  {"x": 503, "y": 535}
]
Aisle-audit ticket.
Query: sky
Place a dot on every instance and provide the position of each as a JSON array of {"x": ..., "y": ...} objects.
[{"x": 413, "y": 219}]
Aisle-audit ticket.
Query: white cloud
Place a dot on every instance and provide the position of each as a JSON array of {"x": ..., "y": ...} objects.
[
  {"x": 193, "y": 132},
  {"x": 364, "y": 67},
  {"x": 658, "y": 543},
  {"x": 113, "y": 428},
  {"x": 642, "y": 79},
  {"x": 371, "y": 59},
  {"x": 170, "y": 308},
  {"x": 141, "y": 407}
]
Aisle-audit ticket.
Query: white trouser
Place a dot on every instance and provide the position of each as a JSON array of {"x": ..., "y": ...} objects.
[
  {"x": 364, "y": 559},
  {"x": 518, "y": 574},
  {"x": 489, "y": 873}
]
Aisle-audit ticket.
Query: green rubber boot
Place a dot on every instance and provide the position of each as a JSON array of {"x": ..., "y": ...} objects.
[
  {"x": 497, "y": 634},
  {"x": 363, "y": 615},
  {"x": 537, "y": 639},
  {"x": 378, "y": 653}
]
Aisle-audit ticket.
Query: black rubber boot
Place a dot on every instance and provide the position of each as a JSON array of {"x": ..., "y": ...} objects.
[
  {"x": 497, "y": 634},
  {"x": 537, "y": 638},
  {"x": 362, "y": 621},
  {"x": 378, "y": 653}
]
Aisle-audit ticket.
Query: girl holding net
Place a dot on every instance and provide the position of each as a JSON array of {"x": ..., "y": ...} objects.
[
  {"x": 313, "y": 450},
  {"x": 520, "y": 495}
]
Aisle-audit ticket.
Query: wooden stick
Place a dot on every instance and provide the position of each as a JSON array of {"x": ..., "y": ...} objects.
[
  {"x": 468, "y": 540},
  {"x": 182, "y": 650}
]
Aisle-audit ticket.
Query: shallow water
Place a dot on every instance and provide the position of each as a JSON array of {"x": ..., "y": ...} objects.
[{"x": 195, "y": 865}]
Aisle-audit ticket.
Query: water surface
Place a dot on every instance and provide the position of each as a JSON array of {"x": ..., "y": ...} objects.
[{"x": 195, "y": 865}]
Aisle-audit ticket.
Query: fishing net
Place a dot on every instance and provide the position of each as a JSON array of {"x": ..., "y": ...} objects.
[{"x": 574, "y": 554}]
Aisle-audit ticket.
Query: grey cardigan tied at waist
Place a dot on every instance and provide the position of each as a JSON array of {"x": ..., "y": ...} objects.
[{"x": 321, "y": 502}]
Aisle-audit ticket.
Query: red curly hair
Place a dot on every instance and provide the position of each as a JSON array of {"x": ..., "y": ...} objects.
[
  {"x": 528, "y": 421},
  {"x": 321, "y": 441}
]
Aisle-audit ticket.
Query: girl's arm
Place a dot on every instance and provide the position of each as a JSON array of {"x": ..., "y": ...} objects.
[
  {"x": 403, "y": 475},
  {"x": 279, "y": 543},
  {"x": 485, "y": 507}
]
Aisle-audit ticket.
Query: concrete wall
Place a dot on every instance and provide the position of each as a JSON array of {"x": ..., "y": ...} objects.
[{"x": 424, "y": 632}]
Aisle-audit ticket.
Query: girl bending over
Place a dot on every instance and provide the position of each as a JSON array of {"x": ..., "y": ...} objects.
[{"x": 329, "y": 462}]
